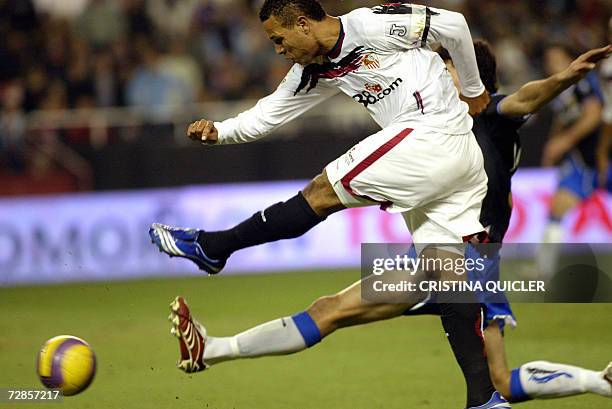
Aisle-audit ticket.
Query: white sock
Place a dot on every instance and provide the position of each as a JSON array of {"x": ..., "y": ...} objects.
[
  {"x": 541, "y": 379},
  {"x": 549, "y": 251},
  {"x": 277, "y": 337}
]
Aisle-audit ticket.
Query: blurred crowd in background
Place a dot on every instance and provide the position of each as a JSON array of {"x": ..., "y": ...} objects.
[{"x": 159, "y": 54}]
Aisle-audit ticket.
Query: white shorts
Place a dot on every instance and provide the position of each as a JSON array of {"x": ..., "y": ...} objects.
[{"x": 437, "y": 181}]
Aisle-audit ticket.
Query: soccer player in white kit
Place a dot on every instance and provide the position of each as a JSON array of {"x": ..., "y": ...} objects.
[{"x": 425, "y": 162}]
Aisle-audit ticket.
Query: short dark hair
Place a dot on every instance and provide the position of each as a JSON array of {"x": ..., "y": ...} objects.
[
  {"x": 287, "y": 11},
  {"x": 487, "y": 64}
]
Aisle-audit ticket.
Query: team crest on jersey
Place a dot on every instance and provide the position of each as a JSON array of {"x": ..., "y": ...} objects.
[
  {"x": 373, "y": 87},
  {"x": 370, "y": 61}
]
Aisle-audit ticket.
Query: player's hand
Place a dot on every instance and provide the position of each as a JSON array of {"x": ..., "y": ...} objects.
[
  {"x": 477, "y": 104},
  {"x": 585, "y": 63},
  {"x": 554, "y": 149},
  {"x": 203, "y": 131}
]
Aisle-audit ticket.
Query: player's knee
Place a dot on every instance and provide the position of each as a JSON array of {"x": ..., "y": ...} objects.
[
  {"x": 501, "y": 380},
  {"x": 324, "y": 312},
  {"x": 562, "y": 202},
  {"x": 323, "y": 307},
  {"x": 321, "y": 196},
  {"x": 558, "y": 208}
]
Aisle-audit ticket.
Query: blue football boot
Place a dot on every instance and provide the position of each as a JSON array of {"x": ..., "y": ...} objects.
[
  {"x": 496, "y": 402},
  {"x": 179, "y": 242}
]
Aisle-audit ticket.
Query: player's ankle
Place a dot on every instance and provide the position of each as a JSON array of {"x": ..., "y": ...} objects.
[{"x": 206, "y": 240}]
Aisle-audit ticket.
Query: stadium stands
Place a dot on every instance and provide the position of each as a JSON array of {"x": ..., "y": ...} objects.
[{"x": 78, "y": 76}]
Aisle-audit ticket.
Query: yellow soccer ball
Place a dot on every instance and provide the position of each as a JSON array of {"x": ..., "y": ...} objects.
[{"x": 67, "y": 363}]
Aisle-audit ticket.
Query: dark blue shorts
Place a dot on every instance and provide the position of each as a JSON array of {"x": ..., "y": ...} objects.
[{"x": 580, "y": 179}]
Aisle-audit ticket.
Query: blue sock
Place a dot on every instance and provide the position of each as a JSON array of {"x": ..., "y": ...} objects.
[
  {"x": 307, "y": 327},
  {"x": 516, "y": 389}
]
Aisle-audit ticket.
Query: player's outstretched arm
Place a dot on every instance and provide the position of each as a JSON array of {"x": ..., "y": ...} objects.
[
  {"x": 269, "y": 113},
  {"x": 605, "y": 139},
  {"x": 602, "y": 154},
  {"x": 535, "y": 94}
]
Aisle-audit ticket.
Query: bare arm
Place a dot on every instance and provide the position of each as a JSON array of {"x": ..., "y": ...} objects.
[
  {"x": 603, "y": 153},
  {"x": 605, "y": 142},
  {"x": 535, "y": 94}
]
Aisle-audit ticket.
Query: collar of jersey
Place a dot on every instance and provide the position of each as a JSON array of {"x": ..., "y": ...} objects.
[{"x": 335, "y": 51}]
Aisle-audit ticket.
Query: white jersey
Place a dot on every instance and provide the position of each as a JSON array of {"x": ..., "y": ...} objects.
[
  {"x": 383, "y": 61},
  {"x": 606, "y": 86}
]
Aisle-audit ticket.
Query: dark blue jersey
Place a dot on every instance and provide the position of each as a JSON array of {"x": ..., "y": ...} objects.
[
  {"x": 499, "y": 141},
  {"x": 567, "y": 108}
]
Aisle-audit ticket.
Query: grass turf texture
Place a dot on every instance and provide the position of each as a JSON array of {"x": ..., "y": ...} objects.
[{"x": 402, "y": 363}]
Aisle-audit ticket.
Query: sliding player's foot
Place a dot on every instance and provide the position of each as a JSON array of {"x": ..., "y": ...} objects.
[
  {"x": 496, "y": 402},
  {"x": 607, "y": 375},
  {"x": 179, "y": 242},
  {"x": 191, "y": 335}
]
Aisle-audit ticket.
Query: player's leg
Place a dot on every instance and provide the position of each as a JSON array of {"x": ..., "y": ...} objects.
[
  {"x": 461, "y": 319},
  {"x": 496, "y": 312},
  {"x": 575, "y": 185},
  {"x": 283, "y": 220},
  {"x": 547, "y": 257},
  {"x": 348, "y": 308},
  {"x": 438, "y": 182},
  {"x": 509, "y": 383},
  {"x": 540, "y": 379},
  {"x": 183, "y": 325},
  {"x": 496, "y": 357},
  {"x": 452, "y": 214},
  {"x": 284, "y": 335},
  {"x": 277, "y": 337},
  {"x": 562, "y": 202},
  {"x": 405, "y": 180},
  {"x": 544, "y": 380}
]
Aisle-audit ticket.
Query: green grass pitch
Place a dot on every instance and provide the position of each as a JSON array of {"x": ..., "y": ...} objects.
[{"x": 402, "y": 363}]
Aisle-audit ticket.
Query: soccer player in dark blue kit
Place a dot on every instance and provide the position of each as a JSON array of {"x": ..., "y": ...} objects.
[
  {"x": 496, "y": 132},
  {"x": 572, "y": 145}
]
